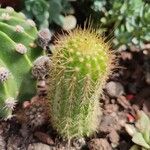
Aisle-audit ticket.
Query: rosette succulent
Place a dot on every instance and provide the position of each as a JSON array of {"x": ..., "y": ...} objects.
[
  {"x": 47, "y": 12},
  {"x": 38, "y": 10}
]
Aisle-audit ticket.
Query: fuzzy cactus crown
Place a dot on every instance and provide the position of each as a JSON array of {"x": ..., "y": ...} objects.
[{"x": 80, "y": 66}]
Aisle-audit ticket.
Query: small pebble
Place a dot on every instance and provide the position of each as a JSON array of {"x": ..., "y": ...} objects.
[
  {"x": 79, "y": 143},
  {"x": 70, "y": 22},
  {"x": 99, "y": 144},
  {"x": 114, "y": 89},
  {"x": 40, "y": 146}
]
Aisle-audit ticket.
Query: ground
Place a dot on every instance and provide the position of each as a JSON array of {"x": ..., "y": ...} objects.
[{"x": 126, "y": 91}]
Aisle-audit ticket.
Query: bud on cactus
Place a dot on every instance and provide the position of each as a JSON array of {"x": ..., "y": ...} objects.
[
  {"x": 80, "y": 66},
  {"x": 17, "y": 52}
]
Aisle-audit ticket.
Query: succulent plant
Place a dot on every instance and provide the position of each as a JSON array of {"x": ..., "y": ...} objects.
[
  {"x": 129, "y": 20},
  {"x": 17, "y": 54},
  {"x": 140, "y": 132},
  {"x": 47, "y": 12},
  {"x": 79, "y": 68}
]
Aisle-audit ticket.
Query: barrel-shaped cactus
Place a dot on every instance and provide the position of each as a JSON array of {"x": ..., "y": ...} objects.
[
  {"x": 17, "y": 52},
  {"x": 80, "y": 66}
]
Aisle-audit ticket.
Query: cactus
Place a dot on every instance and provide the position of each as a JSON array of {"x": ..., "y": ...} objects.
[
  {"x": 80, "y": 65},
  {"x": 17, "y": 53}
]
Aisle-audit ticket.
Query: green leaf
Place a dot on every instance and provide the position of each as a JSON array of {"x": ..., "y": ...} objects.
[
  {"x": 59, "y": 20},
  {"x": 143, "y": 124},
  {"x": 139, "y": 140},
  {"x": 135, "y": 147},
  {"x": 146, "y": 135}
]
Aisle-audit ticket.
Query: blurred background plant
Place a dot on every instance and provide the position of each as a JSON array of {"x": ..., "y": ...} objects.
[
  {"x": 126, "y": 21},
  {"x": 47, "y": 12}
]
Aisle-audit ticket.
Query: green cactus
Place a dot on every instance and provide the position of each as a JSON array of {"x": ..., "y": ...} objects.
[
  {"x": 17, "y": 52},
  {"x": 81, "y": 63}
]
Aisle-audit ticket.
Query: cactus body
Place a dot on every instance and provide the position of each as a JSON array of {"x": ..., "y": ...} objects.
[
  {"x": 17, "y": 52},
  {"x": 80, "y": 66}
]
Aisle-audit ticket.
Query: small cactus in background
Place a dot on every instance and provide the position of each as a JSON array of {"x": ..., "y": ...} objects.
[
  {"x": 17, "y": 54},
  {"x": 79, "y": 68}
]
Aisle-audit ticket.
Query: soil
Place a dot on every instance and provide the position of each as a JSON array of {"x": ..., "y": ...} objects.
[{"x": 126, "y": 91}]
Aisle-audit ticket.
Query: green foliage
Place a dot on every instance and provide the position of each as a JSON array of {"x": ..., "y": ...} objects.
[
  {"x": 17, "y": 52},
  {"x": 80, "y": 66},
  {"x": 129, "y": 19},
  {"x": 126, "y": 20},
  {"x": 141, "y": 135},
  {"x": 46, "y": 12}
]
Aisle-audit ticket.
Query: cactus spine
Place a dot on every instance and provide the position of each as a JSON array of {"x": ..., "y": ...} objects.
[
  {"x": 80, "y": 66},
  {"x": 17, "y": 52}
]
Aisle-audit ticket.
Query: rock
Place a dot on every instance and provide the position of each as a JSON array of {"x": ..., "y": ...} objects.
[
  {"x": 126, "y": 55},
  {"x": 109, "y": 122},
  {"x": 24, "y": 130},
  {"x": 110, "y": 108},
  {"x": 114, "y": 138},
  {"x": 79, "y": 143},
  {"x": 2, "y": 143},
  {"x": 15, "y": 143},
  {"x": 99, "y": 144},
  {"x": 124, "y": 102},
  {"x": 112, "y": 121},
  {"x": 4, "y": 128},
  {"x": 70, "y": 22},
  {"x": 114, "y": 89},
  {"x": 40, "y": 146},
  {"x": 43, "y": 137}
]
